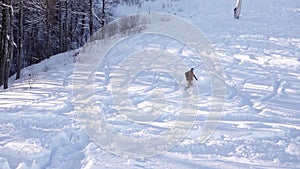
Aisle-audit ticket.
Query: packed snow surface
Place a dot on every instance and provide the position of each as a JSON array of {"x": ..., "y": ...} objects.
[{"x": 260, "y": 124}]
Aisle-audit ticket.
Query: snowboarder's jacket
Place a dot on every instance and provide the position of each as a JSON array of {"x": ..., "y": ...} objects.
[{"x": 190, "y": 75}]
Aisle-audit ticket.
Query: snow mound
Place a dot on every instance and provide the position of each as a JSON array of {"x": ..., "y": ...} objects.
[{"x": 294, "y": 147}]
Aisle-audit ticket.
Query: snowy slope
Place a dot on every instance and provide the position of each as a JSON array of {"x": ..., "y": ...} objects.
[{"x": 260, "y": 126}]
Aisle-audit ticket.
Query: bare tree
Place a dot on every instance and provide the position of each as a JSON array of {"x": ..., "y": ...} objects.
[
  {"x": 103, "y": 13},
  {"x": 20, "y": 54},
  {"x": 91, "y": 17},
  {"x": 3, "y": 41},
  {"x": 66, "y": 25},
  {"x": 7, "y": 41},
  {"x": 48, "y": 27},
  {"x": 45, "y": 27}
]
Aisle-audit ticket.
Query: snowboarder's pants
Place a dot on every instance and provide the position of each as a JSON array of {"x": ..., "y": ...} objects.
[{"x": 189, "y": 83}]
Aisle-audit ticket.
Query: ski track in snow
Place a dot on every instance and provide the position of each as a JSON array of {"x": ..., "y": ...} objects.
[{"x": 260, "y": 126}]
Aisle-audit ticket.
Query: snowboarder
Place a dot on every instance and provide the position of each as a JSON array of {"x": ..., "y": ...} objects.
[{"x": 189, "y": 75}]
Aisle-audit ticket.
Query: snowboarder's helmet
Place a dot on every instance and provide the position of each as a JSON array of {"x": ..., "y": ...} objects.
[{"x": 192, "y": 69}]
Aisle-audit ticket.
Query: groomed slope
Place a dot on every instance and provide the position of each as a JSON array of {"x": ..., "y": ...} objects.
[{"x": 260, "y": 125}]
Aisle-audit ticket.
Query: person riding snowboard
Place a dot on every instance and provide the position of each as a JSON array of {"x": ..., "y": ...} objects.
[{"x": 189, "y": 75}]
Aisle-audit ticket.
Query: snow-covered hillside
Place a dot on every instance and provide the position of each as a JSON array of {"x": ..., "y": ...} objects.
[{"x": 260, "y": 124}]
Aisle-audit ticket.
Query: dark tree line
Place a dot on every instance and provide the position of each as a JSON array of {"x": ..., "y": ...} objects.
[{"x": 33, "y": 30}]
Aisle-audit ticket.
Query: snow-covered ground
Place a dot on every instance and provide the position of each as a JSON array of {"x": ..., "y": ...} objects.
[{"x": 40, "y": 126}]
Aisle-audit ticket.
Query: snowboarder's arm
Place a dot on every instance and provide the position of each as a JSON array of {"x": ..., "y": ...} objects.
[{"x": 195, "y": 77}]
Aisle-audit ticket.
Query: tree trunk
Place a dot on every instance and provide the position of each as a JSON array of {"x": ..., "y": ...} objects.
[
  {"x": 61, "y": 26},
  {"x": 2, "y": 43},
  {"x": 5, "y": 22},
  {"x": 10, "y": 44},
  {"x": 48, "y": 36},
  {"x": 20, "y": 57},
  {"x": 73, "y": 19},
  {"x": 82, "y": 32},
  {"x": 103, "y": 13},
  {"x": 66, "y": 27},
  {"x": 91, "y": 18}
]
